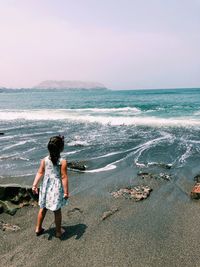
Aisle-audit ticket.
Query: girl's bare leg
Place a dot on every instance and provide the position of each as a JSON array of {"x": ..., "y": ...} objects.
[
  {"x": 41, "y": 214},
  {"x": 58, "y": 219}
]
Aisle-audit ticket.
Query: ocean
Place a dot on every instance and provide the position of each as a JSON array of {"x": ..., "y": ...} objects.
[{"x": 109, "y": 131}]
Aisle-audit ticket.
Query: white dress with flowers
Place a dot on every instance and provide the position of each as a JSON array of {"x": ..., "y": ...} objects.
[{"x": 51, "y": 195}]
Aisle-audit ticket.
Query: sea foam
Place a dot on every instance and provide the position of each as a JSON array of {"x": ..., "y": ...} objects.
[{"x": 121, "y": 116}]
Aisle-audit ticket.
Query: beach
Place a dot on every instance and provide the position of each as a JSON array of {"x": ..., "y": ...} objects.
[
  {"x": 160, "y": 230},
  {"x": 125, "y": 139},
  {"x": 104, "y": 95}
]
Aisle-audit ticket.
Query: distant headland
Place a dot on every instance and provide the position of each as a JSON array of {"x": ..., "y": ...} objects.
[
  {"x": 50, "y": 84},
  {"x": 62, "y": 85}
]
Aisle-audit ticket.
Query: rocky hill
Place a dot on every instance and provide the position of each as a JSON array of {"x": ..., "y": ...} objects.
[{"x": 69, "y": 85}]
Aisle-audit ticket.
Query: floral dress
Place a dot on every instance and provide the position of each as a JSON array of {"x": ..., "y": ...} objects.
[{"x": 51, "y": 195}]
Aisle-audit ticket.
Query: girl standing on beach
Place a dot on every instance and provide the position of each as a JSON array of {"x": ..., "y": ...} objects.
[{"x": 53, "y": 192}]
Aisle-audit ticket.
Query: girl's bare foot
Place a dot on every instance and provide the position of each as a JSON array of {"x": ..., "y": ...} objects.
[
  {"x": 39, "y": 232},
  {"x": 59, "y": 234}
]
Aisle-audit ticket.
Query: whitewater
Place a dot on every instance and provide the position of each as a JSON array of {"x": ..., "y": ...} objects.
[{"x": 104, "y": 129}]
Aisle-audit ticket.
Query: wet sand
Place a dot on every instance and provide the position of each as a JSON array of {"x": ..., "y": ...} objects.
[{"x": 162, "y": 230}]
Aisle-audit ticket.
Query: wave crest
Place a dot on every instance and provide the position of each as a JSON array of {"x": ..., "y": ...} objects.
[{"x": 113, "y": 116}]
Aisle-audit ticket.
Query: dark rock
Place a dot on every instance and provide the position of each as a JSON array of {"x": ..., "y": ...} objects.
[
  {"x": 16, "y": 193},
  {"x": 144, "y": 175},
  {"x": 164, "y": 176},
  {"x": 1, "y": 208},
  {"x": 197, "y": 178},
  {"x": 1, "y": 133},
  {"x": 147, "y": 175},
  {"x": 76, "y": 165},
  {"x": 163, "y": 165},
  {"x": 136, "y": 193},
  {"x": 2, "y": 192},
  {"x": 8, "y": 207},
  {"x": 13, "y": 197},
  {"x": 156, "y": 164},
  {"x": 167, "y": 166}
]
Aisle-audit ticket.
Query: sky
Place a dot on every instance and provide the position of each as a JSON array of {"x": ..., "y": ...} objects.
[{"x": 124, "y": 44}]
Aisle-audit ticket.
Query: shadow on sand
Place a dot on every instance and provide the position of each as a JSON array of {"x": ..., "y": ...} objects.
[{"x": 73, "y": 230}]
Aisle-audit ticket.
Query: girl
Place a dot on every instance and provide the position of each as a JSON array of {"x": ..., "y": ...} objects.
[{"x": 53, "y": 192}]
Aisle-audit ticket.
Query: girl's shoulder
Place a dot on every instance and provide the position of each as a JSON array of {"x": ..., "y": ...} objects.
[
  {"x": 46, "y": 158},
  {"x": 62, "y": 160}
]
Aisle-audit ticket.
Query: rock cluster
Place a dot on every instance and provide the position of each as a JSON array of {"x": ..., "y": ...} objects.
[
  {"x": 148, "y": 175},
  {"x": 195, "y": 193},
  {"x": 163, "y": 165},
  {"x": 136, "y": 193},
  {"x": 13, "y": 197}
]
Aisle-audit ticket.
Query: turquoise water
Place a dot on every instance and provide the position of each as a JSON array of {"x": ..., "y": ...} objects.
[
  {"x": 159, "y": 103},
  {"x": 104, "y": 128}
]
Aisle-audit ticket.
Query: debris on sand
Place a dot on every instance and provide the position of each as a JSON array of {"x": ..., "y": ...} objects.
[
  {"x": 108, "y": 213},
  {"x": 9, "y": 227}
]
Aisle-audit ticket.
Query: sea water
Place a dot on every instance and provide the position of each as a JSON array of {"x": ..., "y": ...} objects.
[{"x": 102, "y": 128}]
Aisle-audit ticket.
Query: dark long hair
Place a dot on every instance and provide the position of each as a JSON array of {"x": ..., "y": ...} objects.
[{"x": 55, "y": 146}]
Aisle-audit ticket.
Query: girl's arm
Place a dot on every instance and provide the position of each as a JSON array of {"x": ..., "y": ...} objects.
[
  {"x": 39, "y": 175},
  {"x": 64, "y": 177}
]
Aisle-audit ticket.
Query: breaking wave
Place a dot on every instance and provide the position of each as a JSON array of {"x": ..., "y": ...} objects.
[{"x": 112, "y": 116}]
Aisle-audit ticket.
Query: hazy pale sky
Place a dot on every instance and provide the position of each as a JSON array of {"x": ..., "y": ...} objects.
[{"x": 124, "y": 44}]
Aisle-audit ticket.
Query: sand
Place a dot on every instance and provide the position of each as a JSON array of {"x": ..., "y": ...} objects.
[{"x": 162, "y": 230}]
